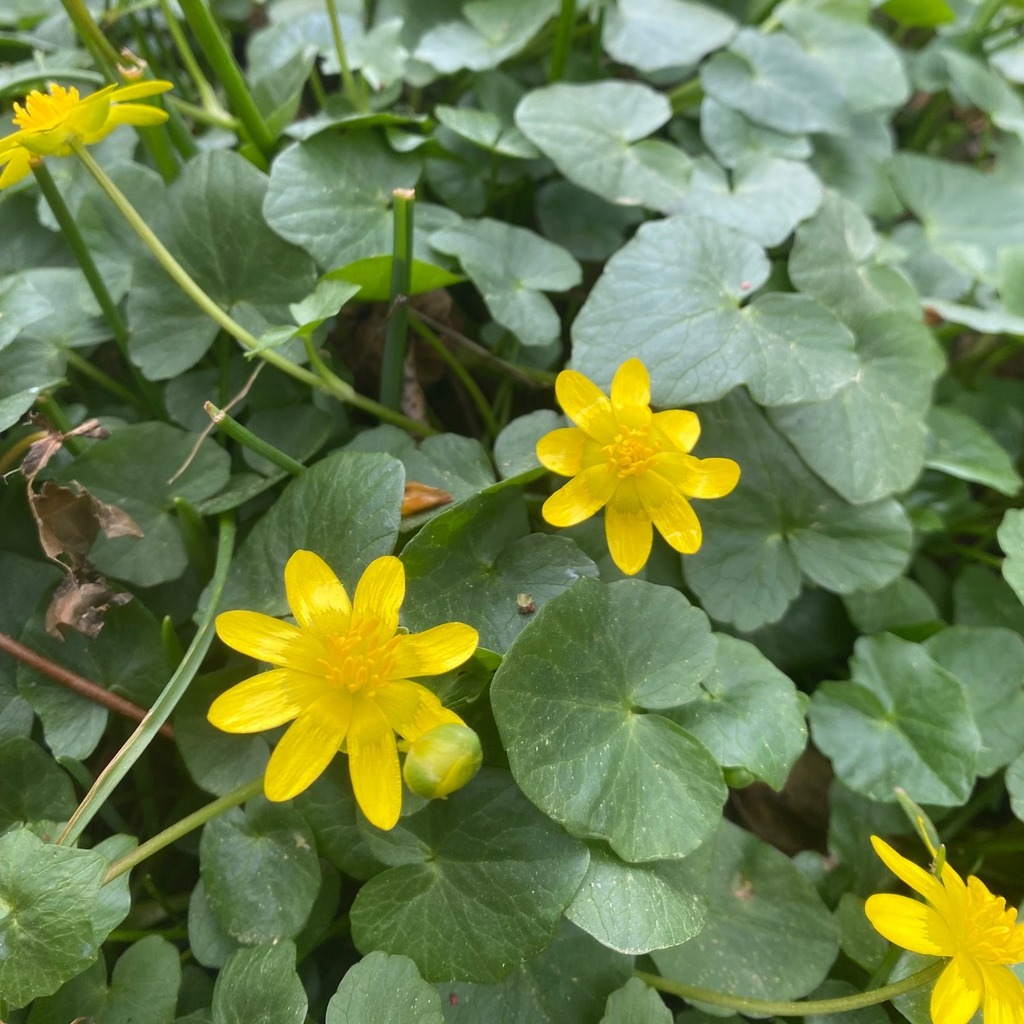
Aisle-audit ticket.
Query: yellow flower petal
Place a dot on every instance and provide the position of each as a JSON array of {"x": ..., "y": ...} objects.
[
  {"x": 678, "y": 428},
  {"x": 697, "y": 478},
  {"x": 19, "y": 165},
  {"x": 315, "y": 595},
  {"x": 412, "y": 709},
  {"x": 670, "y": 512},
  {"x": 434, "y": 650},
  {"x": 581, "y": 497},
  {"x": 627, "y": 529},
  {"x": 631, "y": 387},
  {"x": 586, "y": 405},
  {"x": 907, "y": 871},
  {"x": 140, "y": 90},
  {"x": 561, "y": 450},
  {"x": 141, "y": 115},
  {"x": 373, "y": 764},
  {"x": 308, "y": 746},
  {"x": 1004, "y": 995},
  {"x": 265, "y": 701},
  {"x": 380, "y": 592},
  {"x": 910, "y": 924},
  {"x": 272, "y": 640},
  {"x": 957, "y": 993}
]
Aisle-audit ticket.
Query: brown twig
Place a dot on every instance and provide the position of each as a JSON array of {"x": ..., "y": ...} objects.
[{"x": 83, "y": 687}]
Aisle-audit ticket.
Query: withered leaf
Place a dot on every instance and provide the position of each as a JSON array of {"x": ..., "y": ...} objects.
[
  {"x": 81, "y": 606},
  {"x": 421, "y": 497},
  {"x": 69, "y": 519},
  {"x": 40, "y": 453}
]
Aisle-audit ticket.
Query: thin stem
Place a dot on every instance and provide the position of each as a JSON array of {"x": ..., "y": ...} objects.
[
  {"x": 479, "y": 399},
  {"x": 76, "y": 683},
  {"x": 803, "y": 1008},
  {"x": 188, "y": 59},
  {"x": 182, "y": 828},
  {"x": 218, "y": 53},
  {"x": 392, "y": 374},
  {"x": 326, "y": 381},
  {"x": 54, "y": 412},
  {"x": 928, "y": 122},
  {"x": 17, "y": 451},
  {"x": 140, "y": 739},
  {"x": 352, "y": 91},
  {"x": 243, "y": 435},
  {"x": 97, "y": 285},
  {"x": 986, "y": 11},
  {"x": 103, "y": 53},
  {"x": 564, "y": 32},
  {"x": 115, "y": 387},
  {"x": 686, "y": 96}
]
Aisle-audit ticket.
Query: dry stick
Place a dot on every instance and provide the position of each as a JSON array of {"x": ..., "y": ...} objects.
[{"x": 83, "y": 687}]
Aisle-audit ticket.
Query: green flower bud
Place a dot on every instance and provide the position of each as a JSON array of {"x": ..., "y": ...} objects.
[{"x": 442, "y": 760}]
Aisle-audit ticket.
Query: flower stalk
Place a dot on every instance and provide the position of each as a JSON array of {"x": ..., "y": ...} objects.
[
  {"x": 392, "y": 375},
  {"x": 125, "y": 758},
  {"x": 326, "y": 381},
  {"x": 795, "y": 1008},
  {"x": 98, "y": 287},
  {"x": 244, "y": 436}
]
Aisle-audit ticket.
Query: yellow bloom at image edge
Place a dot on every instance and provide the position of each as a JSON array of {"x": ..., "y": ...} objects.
[
  {"x": 49, "y": 122},
  {"x": 963, "y": 921},
  {"x": 342, "y": 678},
  {"x": 632, "y": 462}
]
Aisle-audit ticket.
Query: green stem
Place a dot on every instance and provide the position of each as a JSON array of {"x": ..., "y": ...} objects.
[
  {"x": 182, "y": 828},
  {"x": 203, "y": 115},
  {"x": 103, "y": 53},
  {"x": 219, "y": 54},
  {"x": 804, "y": 1008},
  {"x": 327, "y": 381},
  {"x": 243, "y": 435},
  {"x": 564, "y": 32},
  {"x": 207, "y": 96},
  {"x": 115, "y": 387},
  {"x": 983, "y": 16},
  {"x": 54, "y": 412},
  {"x": 97, "y": 285},
  {"x": 686, "y": 96},
  {"x": 140, "y": 739},
  {"x": 352, "y": 91},
  {"x": 479, "y": 399},
  {"x": 928, "y": 122},
  {"x": 392, "y": 374}
]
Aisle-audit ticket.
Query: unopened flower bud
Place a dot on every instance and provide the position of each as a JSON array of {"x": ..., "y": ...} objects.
[{"x": 442, "y": 760}]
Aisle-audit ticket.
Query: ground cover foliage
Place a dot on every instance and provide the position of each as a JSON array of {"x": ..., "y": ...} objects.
[{"x": 805, "y": 218}]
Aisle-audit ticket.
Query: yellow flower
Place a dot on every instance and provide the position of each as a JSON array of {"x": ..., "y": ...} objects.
[
  {"x": 964, "y": 922},
  {"x": 343, "y": 675},
  {"x": 631, "y": 462},
  {"x": 50, "y": 121}
]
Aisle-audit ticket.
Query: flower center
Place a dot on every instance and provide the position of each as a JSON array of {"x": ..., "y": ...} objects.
[
  {"x": 42, "y": 111},
  {"x": 360, "y": 660},
  {"x": 630, "y": 451},
  {"x": 990, "y": 930}
]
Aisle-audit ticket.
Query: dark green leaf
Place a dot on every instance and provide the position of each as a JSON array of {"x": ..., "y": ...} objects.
[
  {"x": 768, "y": 936},
  {"x": 47, "y": 898},
  {"x": 260, "y": 986},
  {"x": 749, "y": 715},
  {"x": 782, "y": 523},
  {"x": 345, "y": 508},
  {"x": 473, "y": 562},
  {"x": 383, "y": 989},
  {"x": 480, "y": 882},
  {"x": 672, "y": 297},
  {"x": 571, "y": 700},
  {"x": 901, "y": 720},
  {"x": 260, "y": 871},
  {"x": 32, "y": 787},
  {"x": 635, "y": 1003}
]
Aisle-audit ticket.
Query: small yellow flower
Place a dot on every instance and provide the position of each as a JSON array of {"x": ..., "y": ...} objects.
[
  {"x": 50, "y": 121},
  {"x": 964, "y": 922},
  {"x": 632, "y": 462},
  {"x": 343, "y": 675}
]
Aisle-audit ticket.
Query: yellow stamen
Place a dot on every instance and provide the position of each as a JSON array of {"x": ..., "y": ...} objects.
[
  {"x": 359, "y": 661},
  {"x": 630, "y": 451}
]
